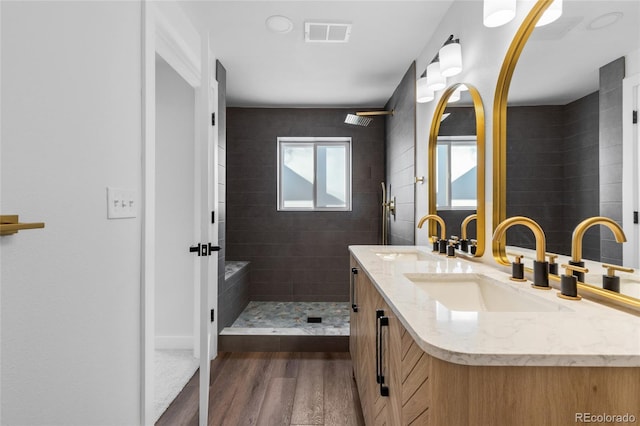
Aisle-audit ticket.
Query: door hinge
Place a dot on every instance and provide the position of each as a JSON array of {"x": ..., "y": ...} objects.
[
  {"x": 635, "y": 117},
  {"x": 213, "y": 118},
  {"x": 212, "y": 315},
  {"x": 204, "y": 249},
  {"x": 213, "y": 217},
  {"x": 635, "y": 217}
]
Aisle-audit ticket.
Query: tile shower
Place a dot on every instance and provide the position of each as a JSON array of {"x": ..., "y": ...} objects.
[{"x": 299, "y": 257}]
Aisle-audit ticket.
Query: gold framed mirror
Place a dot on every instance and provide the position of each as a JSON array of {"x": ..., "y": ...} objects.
[
  {"x": 467, "y": 205},
  {"x": 526, "y": 35}
]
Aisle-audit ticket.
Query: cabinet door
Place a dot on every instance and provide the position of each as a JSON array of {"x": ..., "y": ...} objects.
[
  {"x": 390, "y": 359},
  {"x": 404, "y": 365},
  {"x": 361, "y": 343},
  {"x": 416, "y": 392},
  {"x": 353, "y": 315}
]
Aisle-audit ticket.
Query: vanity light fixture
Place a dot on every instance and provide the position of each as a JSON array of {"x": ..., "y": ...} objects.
[
  {"x": 423, "y": 93},
  {"x": 446, "y": 63},
  {"x": 553, "y": 12},
  {"x": 450, "y": 55},
  {"x": 435, "y": 80},
  {"x": 454, "y": 97},
  {"x": 498, "y": 12}
]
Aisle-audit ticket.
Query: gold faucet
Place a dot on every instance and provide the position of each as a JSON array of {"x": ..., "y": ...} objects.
[
  {"x": 529, "y": 223},
  {"x": 465, "y": 222},
  {"x": 578, "y": 233},
  {"x": 540, "y": 266},
  {"x": 443, "y": 232}
]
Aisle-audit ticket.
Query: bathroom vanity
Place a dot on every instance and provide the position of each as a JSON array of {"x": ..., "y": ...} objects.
[{"x": 449, "y": 341}]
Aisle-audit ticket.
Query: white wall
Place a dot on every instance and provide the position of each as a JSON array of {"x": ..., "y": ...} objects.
[
  {"x": 175, "y": 228},
  {"x": 483, "y": 51},
  {"x": 632, "y": 63},
  {"x": 71, "y": 82}
]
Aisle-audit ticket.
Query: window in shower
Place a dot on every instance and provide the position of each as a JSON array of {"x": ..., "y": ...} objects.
[
  {"x": 456, "y": 165},
  {"x": 314, "y": 174}
]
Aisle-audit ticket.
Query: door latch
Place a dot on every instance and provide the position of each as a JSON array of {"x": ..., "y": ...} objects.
[{"x": 204, "y": 249}]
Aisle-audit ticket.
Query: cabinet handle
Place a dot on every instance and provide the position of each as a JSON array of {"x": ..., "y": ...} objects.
[
  {"x": 354, "y": 305},
  {"x": 381, "y": 321}
]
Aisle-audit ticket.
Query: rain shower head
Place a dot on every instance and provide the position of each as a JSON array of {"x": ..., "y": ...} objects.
[
  {"x": 362, "y": 118},
  {"x": 358, "y": 120}
]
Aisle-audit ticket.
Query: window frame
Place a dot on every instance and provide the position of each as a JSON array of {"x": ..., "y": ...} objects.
[
  {"x": 449, "y": 141},
  {"x": 345, "y": 141}
]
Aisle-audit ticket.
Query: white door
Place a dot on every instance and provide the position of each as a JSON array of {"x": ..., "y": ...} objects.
[
  {"x": 195, "y": 67},
  {"x": 208, "y": 172}
]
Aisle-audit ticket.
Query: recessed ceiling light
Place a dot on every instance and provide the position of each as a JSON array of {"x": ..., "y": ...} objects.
[
  {"x": 604, "y": 21},
  {"x": 279, "y": 24}
]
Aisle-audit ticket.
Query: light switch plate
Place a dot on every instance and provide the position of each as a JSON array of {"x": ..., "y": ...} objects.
[{"x": 121, "y": 203}]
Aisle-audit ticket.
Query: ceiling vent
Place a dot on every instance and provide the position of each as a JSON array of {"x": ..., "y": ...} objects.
[{"x": 326, "y": 32}]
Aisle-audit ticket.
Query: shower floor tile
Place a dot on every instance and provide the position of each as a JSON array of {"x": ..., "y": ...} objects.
[{"x": 290, "y": 318}]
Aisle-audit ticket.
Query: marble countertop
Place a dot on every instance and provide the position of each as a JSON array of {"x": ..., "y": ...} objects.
[{"x": 573, "y": 333}]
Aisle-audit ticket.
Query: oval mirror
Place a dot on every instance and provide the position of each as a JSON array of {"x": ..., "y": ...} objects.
[{"x": 456, "y": 166}]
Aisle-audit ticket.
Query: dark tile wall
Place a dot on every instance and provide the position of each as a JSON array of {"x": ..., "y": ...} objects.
[
  {"x": 297, "y": 256},
  {"x": 552, "y": 169},
  {"x": 535, "y": 176},
  {"x": 400, "y": 158},
  {"x": 611, "y": 76},
  {"x": 235, "y": 291},
  {"x": 460, "y": 122},
  {"x": 581, "y": 169},
  {"x": 224, "y": 300},
  {"x": 453, "y": 220}
]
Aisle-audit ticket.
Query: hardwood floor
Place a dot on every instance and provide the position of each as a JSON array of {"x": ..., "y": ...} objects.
[{"x": 273, "y": 389}]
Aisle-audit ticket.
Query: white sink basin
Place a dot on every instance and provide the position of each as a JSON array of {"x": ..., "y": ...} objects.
[
  {"x": 479, "y": 293},
  {"x": 404, "y": 255}
]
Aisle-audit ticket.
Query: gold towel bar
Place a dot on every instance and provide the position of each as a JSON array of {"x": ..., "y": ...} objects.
[{"x": 9, "y": 224}]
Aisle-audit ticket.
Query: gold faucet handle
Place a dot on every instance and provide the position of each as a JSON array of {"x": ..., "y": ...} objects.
[
  {"x": 474, "y": 242},
  {"x": 575, "y": 268},
  {"x": 433, "y": 239},
  {"x": 552, "y": 257},
  {"x": 454, "y": 238},
  {"x": 518, "y": 257},
  {"x": 611, "y": 269}
]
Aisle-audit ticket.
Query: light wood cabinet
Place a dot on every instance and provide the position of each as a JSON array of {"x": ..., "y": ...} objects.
[
  {"x": 376, "y": 351},
  {"x": 424, "y": 390}
]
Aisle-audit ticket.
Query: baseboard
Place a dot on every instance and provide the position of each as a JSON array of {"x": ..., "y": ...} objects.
[
  {"x": 174, "y": 342},
  {"x": 280, "y": 343}
]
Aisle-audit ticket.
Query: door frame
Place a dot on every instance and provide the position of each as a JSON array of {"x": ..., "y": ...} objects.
[
  {"x": 630, "y": 162},
  {"x": 160, "y": 37}
]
